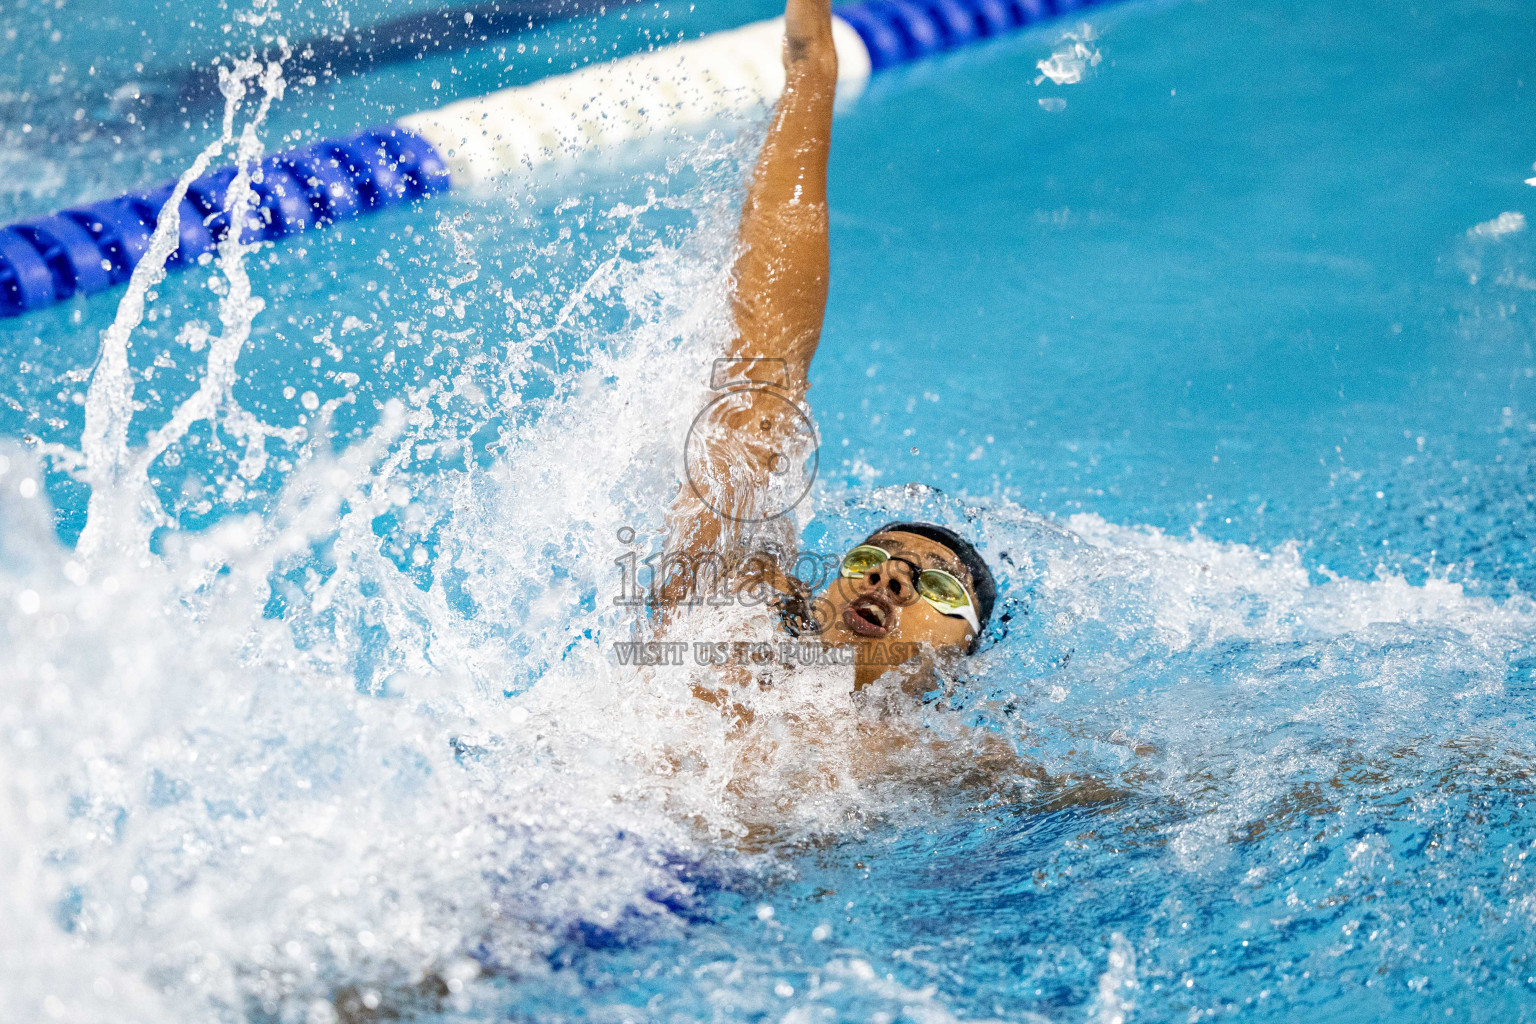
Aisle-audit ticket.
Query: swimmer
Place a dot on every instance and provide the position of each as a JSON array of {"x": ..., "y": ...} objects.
[
  {"x": 905, "y": 606},
  {"x": 908, "y": 586}
]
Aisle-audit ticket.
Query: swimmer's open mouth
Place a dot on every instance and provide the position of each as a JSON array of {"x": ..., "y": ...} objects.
[{"x": 870, "y": 615}]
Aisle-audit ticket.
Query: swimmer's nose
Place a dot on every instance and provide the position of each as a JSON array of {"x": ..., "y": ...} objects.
[{"x": 895, "y": 578}]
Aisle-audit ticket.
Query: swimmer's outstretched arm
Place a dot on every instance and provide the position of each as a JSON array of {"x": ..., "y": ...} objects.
[
  {"x": 778, "y": 302},
  {"x": 781, "y": 272}
]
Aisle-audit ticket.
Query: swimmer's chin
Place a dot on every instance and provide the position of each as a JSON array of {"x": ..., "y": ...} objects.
[{"x": 916, "y": 676}]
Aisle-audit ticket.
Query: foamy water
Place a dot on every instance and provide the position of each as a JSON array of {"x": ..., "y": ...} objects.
[{"x": 368, "y": 729}]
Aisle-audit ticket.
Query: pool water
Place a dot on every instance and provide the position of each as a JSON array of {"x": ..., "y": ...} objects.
[{"x": 1223, "y": 353}]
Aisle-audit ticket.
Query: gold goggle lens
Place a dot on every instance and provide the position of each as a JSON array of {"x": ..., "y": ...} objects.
[
  {"x": 862, "y": 559},
  {"x": 941, "y": 588}
]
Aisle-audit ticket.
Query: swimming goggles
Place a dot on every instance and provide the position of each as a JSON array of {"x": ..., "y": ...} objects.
[{"x": 940, "y": 589}]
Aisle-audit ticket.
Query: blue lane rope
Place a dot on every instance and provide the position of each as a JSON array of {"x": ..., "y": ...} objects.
[
  {"x": 901, "y": 31},
  {"x": 89, "y": 249}
]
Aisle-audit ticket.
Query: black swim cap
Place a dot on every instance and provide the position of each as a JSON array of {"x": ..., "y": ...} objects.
[{"x": 981, "y": 576}]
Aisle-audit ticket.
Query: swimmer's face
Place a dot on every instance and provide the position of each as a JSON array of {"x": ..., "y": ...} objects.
[{"x": 883, "y": 607}]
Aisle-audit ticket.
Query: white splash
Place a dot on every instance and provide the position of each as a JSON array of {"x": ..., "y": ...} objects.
[
  {"x": 1117, "y": 985},
  {"x": 1507, "y": 223},
  {"x": 1071, "y": 59},
  {"x": 119, "y": 493}
]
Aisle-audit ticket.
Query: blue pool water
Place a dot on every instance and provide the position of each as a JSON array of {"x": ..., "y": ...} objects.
[{"x": 1231, "y": 354}]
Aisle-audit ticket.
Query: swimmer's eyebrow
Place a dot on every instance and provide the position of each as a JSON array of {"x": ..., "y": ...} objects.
[{"x": 951, "y": 566}]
